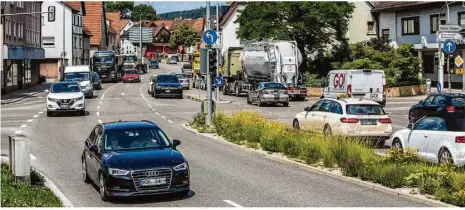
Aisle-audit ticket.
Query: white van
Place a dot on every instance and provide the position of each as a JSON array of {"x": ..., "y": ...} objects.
[
  {"x": 82, "y": 75},
  {"x": 356, "y": 83}
]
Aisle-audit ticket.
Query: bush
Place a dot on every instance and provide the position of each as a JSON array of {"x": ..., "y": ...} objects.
[
  {"x": 21, "y": 194},
  {"x": 245, "y": 126}
]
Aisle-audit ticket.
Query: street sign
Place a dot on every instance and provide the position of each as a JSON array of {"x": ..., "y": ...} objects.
[
  {"x": 447, "y": 35},
  {"x": 134, "y": 35},
  {"x": 210, "y": 37},
  {"x": 449, "y": 46},
  {"x": 458, "y": 61},
  {"x": 438, "y": 86},
  {"x": 219, "y": 81},
  {"x": 450, "y": 28},
  {"x": 459, "y": 71}
]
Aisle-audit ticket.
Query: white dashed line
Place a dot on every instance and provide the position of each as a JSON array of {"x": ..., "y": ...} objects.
[
  {"x": 233, "y": 204},
  {"x": 170, "y": 121},
  {"x": 143, "y": 96},
  {"x": 103, "y": 96},
  {"x": 24, "y": 125},
  {"x": 122, "y": 94},
  {"x": 32, "y": 157},
  {"x": 41, "y": 112},
  {"x": 44, "y": 109},
  {"x": 98, "y": 107},
  {"x": 99, "y": 121},
  {"x": 101, "y": 102},
  {"x": 98, "y": 113},
  {"x": 163, "y": 117},
  {"x": 157, "y": 113},
  {"x": 30, "y": 120},
  {"x": 35, "y": 116},
  {"x": 18, "y": 132},
  {"x": 153, "y": 109}
]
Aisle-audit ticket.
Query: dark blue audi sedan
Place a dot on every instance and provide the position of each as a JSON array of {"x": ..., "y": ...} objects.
[{"x": 131, "y": 158}]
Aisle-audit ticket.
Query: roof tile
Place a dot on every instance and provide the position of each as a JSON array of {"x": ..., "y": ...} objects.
[
  {"x": 117, "y": 23},
  {"x": 75, "y": 5},
  {"x": 93, "y": 19}
]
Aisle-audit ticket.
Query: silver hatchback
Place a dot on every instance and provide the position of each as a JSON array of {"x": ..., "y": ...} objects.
[
  {"x": 268, "y": 93},
  {"x": 183, "y": 79}
]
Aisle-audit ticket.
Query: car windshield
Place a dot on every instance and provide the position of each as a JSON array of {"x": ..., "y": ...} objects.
[
  {"x": 274, "y": 86},
  {"x": 77, "y": 76},
  {"x": 167, "y": 79},
  {"x": 131, "y": 72},
  {"x": 187, "y": 66},
  {"x": 364, "y": 109},
  {"x": 173, "y": 58},
  {"x": 181, "y": 76},
  {"x": 133, "y": 139},
  {"x": 65, "y": 88},
  {"x": 458, "y": 101},
  {"x": 103, "y": 59},
  {"x": 131, "y": 59}
]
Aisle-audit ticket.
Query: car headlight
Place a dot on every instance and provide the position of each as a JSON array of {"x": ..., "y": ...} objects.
[
  {"x": 180, "y": 167},
  {"x": 117, "y": 172},
  {"x": 158, "y": 87},
  {"x": 79, "y": 98},
  {"x": 51, "y": 99}
]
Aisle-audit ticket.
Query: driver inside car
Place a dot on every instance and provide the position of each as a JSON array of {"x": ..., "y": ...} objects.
[{"x": 114, "y": 144}]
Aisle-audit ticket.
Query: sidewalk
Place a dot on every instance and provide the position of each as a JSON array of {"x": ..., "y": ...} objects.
[
  {"x": 446, "y": 90},
  {"x": 19, "y": 95}
]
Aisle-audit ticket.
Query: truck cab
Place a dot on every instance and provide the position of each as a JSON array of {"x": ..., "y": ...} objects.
[{"x": 104, "y": 63}]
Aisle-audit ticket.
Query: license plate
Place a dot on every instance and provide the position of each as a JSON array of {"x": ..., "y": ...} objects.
[
  {"x": 368, "y": 122},
  {"x": 104, "y": 75},
  {"x": 64, "y": 106},
  {"x": 152, "y": 182},
  {"x": 167, "y": 91}
]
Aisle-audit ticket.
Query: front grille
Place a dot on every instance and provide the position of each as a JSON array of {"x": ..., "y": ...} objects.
[
  {"x": 83, "y": 87},
  {"x": 168, "y": 88},
  {"x": 162, "y": 173},
  {"x": 65, "y": 101}
]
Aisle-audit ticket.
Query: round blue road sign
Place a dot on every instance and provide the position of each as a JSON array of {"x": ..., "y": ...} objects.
[
  {"x": 449, "y": 46},
  {"x": 219, "y": 81},
  {"x": 210, "y": 37}
]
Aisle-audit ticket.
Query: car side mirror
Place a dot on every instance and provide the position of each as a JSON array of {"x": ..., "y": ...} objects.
[
  {"x": 46, "y": 91},
  {"x": 176, "y": 143},
  {"x": 93, "y": 148},
  {"x": 421, "y": 102},
  {"x": 307, "y": 109},
  {"x": 410, "y": 126}
]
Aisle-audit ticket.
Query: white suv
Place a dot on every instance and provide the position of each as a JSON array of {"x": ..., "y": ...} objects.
[{"x": 65, "y": 97}]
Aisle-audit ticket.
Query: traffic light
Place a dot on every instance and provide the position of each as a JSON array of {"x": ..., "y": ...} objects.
[
  {"x": 436, "y": 60},
  {"x": 212, "y": 61}
]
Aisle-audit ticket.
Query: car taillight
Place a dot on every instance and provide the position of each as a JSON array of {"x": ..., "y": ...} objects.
[
  {"x": 303, "y": 91},
  {"x": 386, "y": 120},
  {"x": 349, "y": 90},
  {"x": 265, "y": 91},
  {"x": 450, "y": 109},
  {"x": 285, "y": 92},
  {"x": 349, "y": 120},
  {"x": 384, "y": 88},
  {"x": 460, "y": 139}
]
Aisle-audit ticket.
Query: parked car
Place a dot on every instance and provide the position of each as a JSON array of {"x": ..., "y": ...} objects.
[
  {"x": 438, "y": 138},
  {"x": 268, "y": 92},
  {"x": 131, "y": 76},
  {"x": 133, "y": 158},
  {"x": 453, "y": 104},
  {"x": 154, "y": 64},
  {"x": 151, "y": 81},
  {"x": 65, "y": 96},
  {"x": 183, "y": 80},
  {"x": 96, "y": 81},
  {"x": 348, "y": 117},
  {"x": 167, "y": 85}
]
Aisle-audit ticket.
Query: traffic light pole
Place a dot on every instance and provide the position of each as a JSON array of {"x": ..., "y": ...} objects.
[
  {"x": 448, "y": 73},
  {"x": 208, "y": 120},
  {"x": 217, "y": 52}
]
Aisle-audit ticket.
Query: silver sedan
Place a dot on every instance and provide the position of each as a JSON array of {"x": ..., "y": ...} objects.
[{"x": 268, "y": 93}]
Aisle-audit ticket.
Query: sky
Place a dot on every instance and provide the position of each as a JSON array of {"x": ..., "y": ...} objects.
[{"x": 171, "y": 6}]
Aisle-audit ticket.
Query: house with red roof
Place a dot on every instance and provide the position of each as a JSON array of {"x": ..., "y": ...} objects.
[{"x": 95, "y": 22}]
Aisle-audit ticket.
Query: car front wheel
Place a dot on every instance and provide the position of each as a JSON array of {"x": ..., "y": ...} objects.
[
  {"x": 103, "y": 190},
  {"x": 85, "y": 176}
]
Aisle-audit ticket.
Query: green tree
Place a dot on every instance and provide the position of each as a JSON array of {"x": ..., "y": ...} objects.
[
  {"x": 144, "y": 12},
  {"x": 312, "y": 24},
  {"x": 124, "y": 7},
  {"x": 183, "y": 36}
]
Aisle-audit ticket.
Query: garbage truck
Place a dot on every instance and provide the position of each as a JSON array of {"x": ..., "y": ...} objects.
[{"x": 264, "y": 61}]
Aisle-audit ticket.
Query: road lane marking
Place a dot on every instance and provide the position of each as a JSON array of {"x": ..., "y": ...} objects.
[
  {"x": 122, "y": 94},
  {"x": 153, "y": 109},
  {"x": 23, "y": 125},
  {"x": 44, "y": 109},
  {"x": 101, "y": 102},
  {"x": 268, "y": 112},
  {"x": 32, "y": 157},
  {"x": 398, "y": 126},
  {"x": 163, "y": 117},
  {"x": 98, "y": 113},
  {"x": 98, "y": 107},
  {"x": 157, "y": 113},
  {"x": 35, "y": 116},
  {"x": 233, "y": 204},
  {"x": 99, "y": 121},
  {"x": 30, "y": 120},
  {"x": 103, "y": 96},
  {"x": 128, "y": 85},
  {"x": 18, "y": 132},
  {"x": 41, "y": 112},
  {"x": 143, "y": 96},
  {"x": 170, "y": 121}
]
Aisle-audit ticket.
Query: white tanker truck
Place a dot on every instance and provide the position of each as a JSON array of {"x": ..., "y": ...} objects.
[{"x": 268, "y": 61}]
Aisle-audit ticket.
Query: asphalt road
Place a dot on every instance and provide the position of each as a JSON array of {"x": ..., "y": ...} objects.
[{"x": 221, "y": 175}]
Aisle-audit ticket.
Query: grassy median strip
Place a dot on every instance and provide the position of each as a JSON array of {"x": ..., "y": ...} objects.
[
  {"x": 22, "y": 194},
  {"x": 352, "y": 156}
]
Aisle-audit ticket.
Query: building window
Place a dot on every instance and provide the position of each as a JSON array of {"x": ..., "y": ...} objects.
[
  {"x": 27, "y": 71},
  {"x": 433, "y": 24},
  {"x": 48, "y": 41},
  {"x": 75, "y": 43},
  {"x": 80, "y": 43},
  {"x": 461, "y": 18},
  {"x": 411, "y": 26},
  {"x": 385, "y": 33},
  {"x": 371, "y": 27},
  {"x": 14, "y": 28}
]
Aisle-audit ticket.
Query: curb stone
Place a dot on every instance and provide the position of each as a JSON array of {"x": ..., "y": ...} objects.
[
  {"x": 352, "y": 180},
  {"x": 50, "y": 185}
]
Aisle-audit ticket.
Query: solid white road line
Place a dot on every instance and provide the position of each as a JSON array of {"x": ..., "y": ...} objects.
[
  {"x": 98, "y": 113},
  {"x": 23, "y": 126},
  {"x": 18, "y": 132},
  {"x": 143, "y": 96},
  {"x": 170, "y": 121},
  {"x": 32, "y": 157},
  {"x": 233, "y": 204},
  {"x": 99, "y": 121},
  {"x": 163, "y": 117},
  {"x": 35, "y": 116},
  {"x": 30, "y": 120}
]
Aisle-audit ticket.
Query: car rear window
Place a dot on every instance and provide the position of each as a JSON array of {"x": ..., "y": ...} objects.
[
  {"x": 274, "y": 86},
  {"x": 187, "y": 66},
  {"x": 167, "y": 78},
  {"x": 364, "y": 109},
  {"x": 458, "y": 101},
  {"x": 131, "y": 72}
]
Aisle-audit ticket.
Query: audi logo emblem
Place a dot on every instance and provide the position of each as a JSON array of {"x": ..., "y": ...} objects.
[{"x": 152, "y": 173}]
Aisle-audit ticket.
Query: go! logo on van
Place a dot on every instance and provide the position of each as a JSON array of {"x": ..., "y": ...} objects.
[{"x": 339, "y": 80}]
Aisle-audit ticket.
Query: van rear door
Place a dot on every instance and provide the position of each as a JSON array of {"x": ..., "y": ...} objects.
[{"x": 368, "y": 84}]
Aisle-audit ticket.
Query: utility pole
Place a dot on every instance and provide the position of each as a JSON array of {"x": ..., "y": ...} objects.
[
  {"x": 217, "y": 51},
  {"x": 208, "y": 120}
]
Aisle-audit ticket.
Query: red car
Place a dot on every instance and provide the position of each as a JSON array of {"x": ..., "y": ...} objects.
[{"x": 131, "y": 76}]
